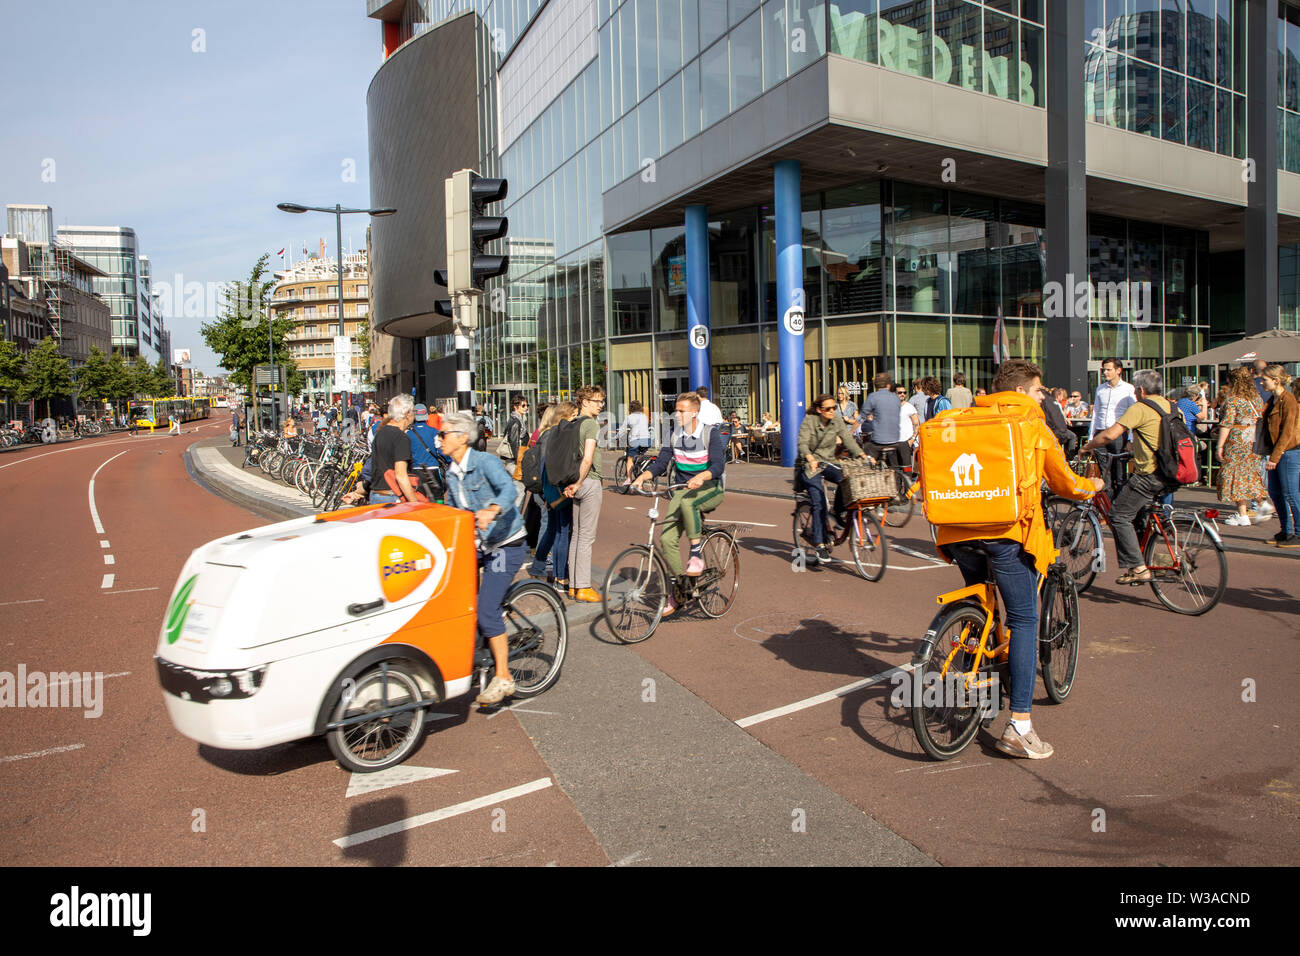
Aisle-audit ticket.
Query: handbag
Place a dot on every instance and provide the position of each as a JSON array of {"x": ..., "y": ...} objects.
[{"x": 1263, "y": 445}]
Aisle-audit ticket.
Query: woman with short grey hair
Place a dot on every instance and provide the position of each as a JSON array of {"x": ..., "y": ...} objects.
[{"x": 462, "y": 423}]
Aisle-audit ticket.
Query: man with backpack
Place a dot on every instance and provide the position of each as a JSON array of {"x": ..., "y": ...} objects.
[
  {"x": 1157, "y": 445},
  {"x": 982, "y": 470}
]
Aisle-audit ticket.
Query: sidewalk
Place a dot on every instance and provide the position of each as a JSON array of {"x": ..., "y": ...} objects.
[
  {"x": 776, "y": 481},
  {"x": 216, "y": 464}
]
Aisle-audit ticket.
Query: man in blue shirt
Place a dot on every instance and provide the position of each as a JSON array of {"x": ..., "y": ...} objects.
[
  {"x": 1191, "y": 407},
  {"x": 425, "y": 442},
  {"x": 883, "y": 409}
]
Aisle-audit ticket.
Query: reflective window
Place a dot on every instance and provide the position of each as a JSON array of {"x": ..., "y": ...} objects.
[
  {"x": 1031, "y": 65},
  {"x": 1023, "y": 257},
  {"x": 713, "y": 20},
  {"x": 1172, "y": 26},
  {"x": 905, "y": 36},
  {"x": 856, "y": 276},
  {"x": 648, "y": 126},
  {"x": 853, "y": 29},
  {"x": 1200, "y": 115},
  {"x": 807, "y": 26},
  {"x": 628, "y": 260},
  {"x": 731, "y": 269},
  {"x": 958, "y": 44},
  {"x": 646, "y": 43},
  {"x": 920, "y": 248},
  {"x": 1001, "y": 56},
  {"x": 670, "y": 115},
  {"x": 737, "y": 10},
  {"x": 625, "y": 24},
  {"x": 1200, "y": 39},
  {"x": 746, "y": 61},
  {"x": 1143, "y": 97},
  {"x": 714, "y": 84},
  {"x": 972, "y": 231},
  {"x": 668, "y": 276},
  {"x": 776, "y": 40},
  {"x": 1172, "y": 106},
  {"x": 690, "y": 30},
  {"x": 691, "y": 99},
  {"x": 670, "y": 37}
]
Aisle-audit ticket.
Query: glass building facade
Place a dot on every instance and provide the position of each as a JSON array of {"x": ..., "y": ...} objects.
[{"x": 897, "y": 276}]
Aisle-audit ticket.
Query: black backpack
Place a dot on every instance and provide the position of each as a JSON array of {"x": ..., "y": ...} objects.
[
  {"x": 564, "y": 453},
  {"x": 530, "y": 468}
]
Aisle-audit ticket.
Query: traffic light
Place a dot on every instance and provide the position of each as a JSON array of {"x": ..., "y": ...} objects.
[
  {"x": 442, "y": 306},
  {"x": 469, "y": 230}
]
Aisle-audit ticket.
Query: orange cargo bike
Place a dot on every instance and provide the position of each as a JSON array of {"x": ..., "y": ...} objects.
[{"x": 348, "y": 625}]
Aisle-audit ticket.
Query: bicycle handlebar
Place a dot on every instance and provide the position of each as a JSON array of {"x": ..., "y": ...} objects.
[{"x": 654, "y": 494}]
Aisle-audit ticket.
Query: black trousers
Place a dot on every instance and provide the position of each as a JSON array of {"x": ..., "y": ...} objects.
[{"x": 532, "y": 520}]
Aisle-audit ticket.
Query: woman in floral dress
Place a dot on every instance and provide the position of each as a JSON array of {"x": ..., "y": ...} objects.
[{"x": 1239, "y": 474}]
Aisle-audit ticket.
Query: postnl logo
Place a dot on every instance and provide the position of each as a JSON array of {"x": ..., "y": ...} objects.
[{"x": 403, "y": 566}]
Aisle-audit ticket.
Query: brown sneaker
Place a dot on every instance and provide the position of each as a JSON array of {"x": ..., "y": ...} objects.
[{"x": 1027, "y": 745}]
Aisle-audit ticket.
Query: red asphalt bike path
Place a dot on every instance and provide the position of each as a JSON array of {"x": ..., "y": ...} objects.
[
  {"x": 126, "y": 788},
  {"x": 1155, "y": 734}
]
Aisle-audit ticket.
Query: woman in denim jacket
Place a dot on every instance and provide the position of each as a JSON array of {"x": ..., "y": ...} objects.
[{"x": 478, "y": 482}]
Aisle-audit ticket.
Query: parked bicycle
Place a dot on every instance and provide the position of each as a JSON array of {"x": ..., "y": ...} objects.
[
  {"x": 637, "y": 583},
  {"x": 964, "y": 657},
  {"x": 1181, "y": 547}
]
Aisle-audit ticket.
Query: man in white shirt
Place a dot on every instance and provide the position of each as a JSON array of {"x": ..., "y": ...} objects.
[
  {"x": 1114, "y": 396},
  {"x": 710, "y": 414}
]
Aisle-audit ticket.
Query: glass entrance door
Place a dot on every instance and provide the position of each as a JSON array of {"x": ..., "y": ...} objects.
[{"x": 671, "y": 384}]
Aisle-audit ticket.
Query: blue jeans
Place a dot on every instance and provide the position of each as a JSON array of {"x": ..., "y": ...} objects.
[
  {"x": 381, "y": 498},
  {"x": 1018, "y": 585},
  {"x": 499, "y": 569},
  {"x": 817, "y": 495},
  {"x": 554, "y": 541},
  {"x": 1284, "y": 489}
]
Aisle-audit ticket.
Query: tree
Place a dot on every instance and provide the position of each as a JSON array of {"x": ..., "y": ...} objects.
[
  {"x": 163, "y": 385},
  {"x": 12, "y": 369},
  {"x": 120, "y": 386},
  {"x": 93, "y": 377},
  {"x": 239, "y": 334},
  {"x": 48, "y": 375}
]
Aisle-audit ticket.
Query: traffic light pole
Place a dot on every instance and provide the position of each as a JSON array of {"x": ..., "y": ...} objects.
[{"x": 466, "y": 303}]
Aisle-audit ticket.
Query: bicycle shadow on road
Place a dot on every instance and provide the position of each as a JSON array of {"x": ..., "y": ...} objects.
[{"x": 1269, "y": 600}]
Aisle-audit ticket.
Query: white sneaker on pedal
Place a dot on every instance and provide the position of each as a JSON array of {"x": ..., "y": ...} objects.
[{"x": 496, "y": 692}]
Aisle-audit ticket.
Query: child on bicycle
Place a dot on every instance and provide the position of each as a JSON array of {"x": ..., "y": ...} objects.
[
  {"x": 699, "y": 453},
  {"x": 1021, "y": 551}
]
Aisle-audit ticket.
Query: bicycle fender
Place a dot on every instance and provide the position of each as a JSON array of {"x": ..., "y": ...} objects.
[
  {"x": 927, "y": 642},
  {"x": 404, "y": 652}
]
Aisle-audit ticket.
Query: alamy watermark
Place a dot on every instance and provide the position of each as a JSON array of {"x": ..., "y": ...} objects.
[
  {"x": 67, "y": 689},
  {"x": 1103, "y": 300}
]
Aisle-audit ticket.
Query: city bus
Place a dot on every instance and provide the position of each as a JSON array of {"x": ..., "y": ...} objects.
[
  {"x": 221, "y": 402},
  {"x": 159, "y": 412}
]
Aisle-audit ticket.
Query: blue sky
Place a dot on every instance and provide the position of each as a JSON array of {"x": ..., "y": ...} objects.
[{"x": 191, "y": 149}]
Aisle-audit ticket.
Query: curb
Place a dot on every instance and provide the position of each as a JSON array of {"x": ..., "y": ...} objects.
[{"x": 259, "y": 506}]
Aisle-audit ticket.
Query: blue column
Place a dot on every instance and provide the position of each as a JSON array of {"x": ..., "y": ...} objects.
[
  {"x": 697, "y": 297},
  {"x": 789, "y": 305}
]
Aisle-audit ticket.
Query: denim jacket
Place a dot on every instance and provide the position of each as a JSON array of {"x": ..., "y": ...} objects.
[{"x": 486, "y": 482}]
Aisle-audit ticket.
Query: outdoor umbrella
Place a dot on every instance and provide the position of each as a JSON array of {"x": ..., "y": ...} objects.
[{"x": 1274, "y": 345}]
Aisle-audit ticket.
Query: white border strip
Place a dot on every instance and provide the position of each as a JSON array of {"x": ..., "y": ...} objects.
[
  {"x": 823, "y": 698},
  {"x": 94, "y": 512},
  {"x": 377, "y": 833},
  {"x": 42, "y": 753}
]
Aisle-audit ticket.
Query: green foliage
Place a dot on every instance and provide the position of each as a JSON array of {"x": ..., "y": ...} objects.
[
  {"x": 12, "y": 365},
  {"x": 120, "y": 382},
  {"x": 48, "y": 374},
  {"x": 93, "y": 377},
  {"x": 239, "y": 335}
]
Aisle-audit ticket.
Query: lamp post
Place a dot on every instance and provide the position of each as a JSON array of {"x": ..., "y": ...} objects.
[{"x": 339, "y": 213}]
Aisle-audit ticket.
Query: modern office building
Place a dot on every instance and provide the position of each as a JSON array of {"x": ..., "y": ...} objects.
[
  {"x": 308, "y": 294},
  {"x": 51, "y": 294},
  {"x": 125, "y": 286},
  {"x": 835, "y": 189}
]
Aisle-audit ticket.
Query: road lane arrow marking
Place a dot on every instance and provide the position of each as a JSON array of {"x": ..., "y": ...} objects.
[{"x": 363, "y": 783}]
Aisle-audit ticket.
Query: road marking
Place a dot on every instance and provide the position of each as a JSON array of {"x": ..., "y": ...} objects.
[
  {"x": 834, "y": 560},
  {"x": 986, "y": 763},
  {"x": 362, "y": 783},
  {"x": 108, "y": 559},
  {"x": 79, "y": 447},
  {"x": 823, "y": 698},
  {"x": 42, "y": 753},
  {"x": 103, "y": 544},
  {"x": 917, "y": 554},
  {"x": 132, "y": 590},
  {"x": 80, "y": 680},
  {"x": 108, "y": 581},
  {"x": 752, "y": 524},
  {"x": 631, "y": 858},
  {"x": 469, "y": 806},
  {"x": 94, "y": 512},
  {"x": 28, "y": 601},
  {"x": 518, "y": 707}
]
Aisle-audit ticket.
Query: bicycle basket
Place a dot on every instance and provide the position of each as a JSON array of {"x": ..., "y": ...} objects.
[{"x": 867, "y": 482}]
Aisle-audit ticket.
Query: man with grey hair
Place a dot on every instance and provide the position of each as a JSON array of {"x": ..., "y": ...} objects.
[
  {"x": 392, "y": 450},
  {"x": 1144, "y": 417}
]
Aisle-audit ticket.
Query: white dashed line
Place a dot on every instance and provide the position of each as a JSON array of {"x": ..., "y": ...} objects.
[
  {"x": 823, "y": 698},
  {"x": 42, "y": 753},
  {"x": 108, "y": 559},
  {"x": 469, "y": 806},
  {"x": 133, "y": 590},
  {"x": 28, "y": 601},
  {"x": 108, "y": 581},
  {"x": 94, "y": 512},
  {"x": 103, "y": 544}
]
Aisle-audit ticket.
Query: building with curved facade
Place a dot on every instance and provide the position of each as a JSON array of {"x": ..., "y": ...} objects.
[{"x": 832, "y": 189}]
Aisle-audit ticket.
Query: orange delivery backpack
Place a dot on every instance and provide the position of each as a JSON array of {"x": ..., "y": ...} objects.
[{"x": 977, "y": 466}]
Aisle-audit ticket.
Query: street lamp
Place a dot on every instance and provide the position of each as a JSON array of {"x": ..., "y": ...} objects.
[{"x": 339, "y": 213}]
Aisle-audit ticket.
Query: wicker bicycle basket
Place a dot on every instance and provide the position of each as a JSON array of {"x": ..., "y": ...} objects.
[{"x": 868, "y": 482}]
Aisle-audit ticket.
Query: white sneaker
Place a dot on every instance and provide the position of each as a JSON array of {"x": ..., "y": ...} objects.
[
  {"x": 1266, "y": 508},
  {"x": 1261, "y": 519},
  {"x": 1237, "y": 521}
]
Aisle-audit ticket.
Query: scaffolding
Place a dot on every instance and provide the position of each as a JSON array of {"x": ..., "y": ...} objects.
[{"x": 55, "y": 278}]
